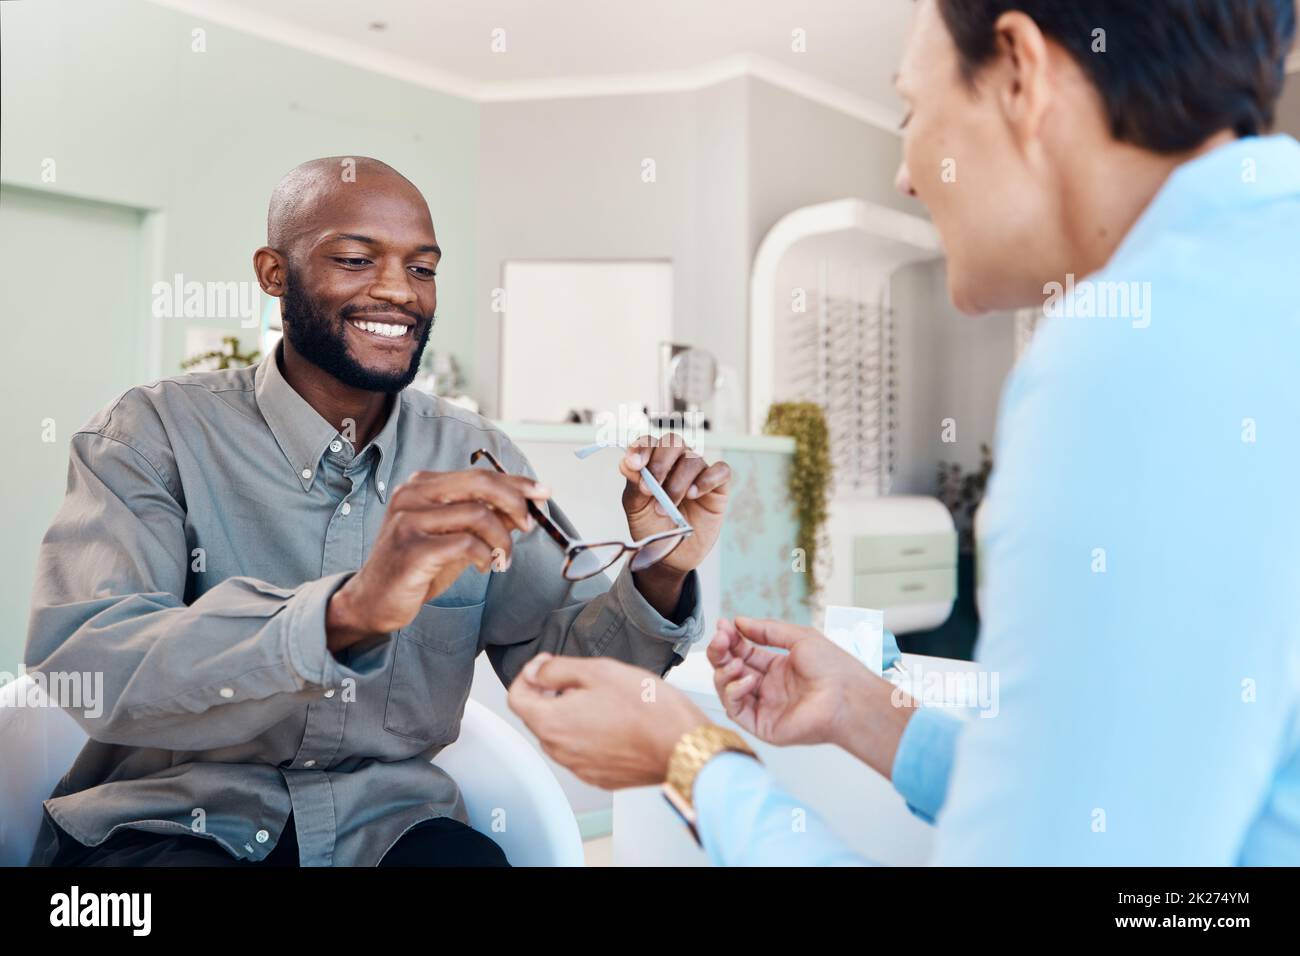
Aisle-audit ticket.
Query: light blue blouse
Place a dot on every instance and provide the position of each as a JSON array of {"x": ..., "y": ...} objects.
[{"x": 1142, "y": 546}]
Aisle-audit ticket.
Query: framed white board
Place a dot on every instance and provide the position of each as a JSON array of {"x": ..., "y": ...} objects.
[{"x": 582, "y": 334}]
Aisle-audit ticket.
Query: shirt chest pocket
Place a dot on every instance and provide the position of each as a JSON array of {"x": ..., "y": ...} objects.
[{"x": 433, "y": 667}]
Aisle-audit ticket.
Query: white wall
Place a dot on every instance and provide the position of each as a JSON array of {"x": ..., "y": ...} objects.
[
  {"x": 562, "y": 179},
  {"x": 801, "y": 153},
  {"x": 950, "y": 366}
]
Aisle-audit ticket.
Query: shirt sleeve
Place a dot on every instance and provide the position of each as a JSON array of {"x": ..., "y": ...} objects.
[
  {"x": 745, "y": 819},
  {"x": 109, "y": 599},
  {"x": 923, "y": 762}
]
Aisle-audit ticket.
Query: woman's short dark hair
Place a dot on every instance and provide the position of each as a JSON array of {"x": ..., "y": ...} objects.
[{"x": 1173, "y": 72}]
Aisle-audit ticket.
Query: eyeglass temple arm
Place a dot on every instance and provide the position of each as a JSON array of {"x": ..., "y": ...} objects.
[
  {"x": 650, "y": 482},
  {"x": 549, "y": 526}
]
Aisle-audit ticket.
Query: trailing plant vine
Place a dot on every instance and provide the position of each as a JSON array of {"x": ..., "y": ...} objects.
[{"x": 810, "y": 475}]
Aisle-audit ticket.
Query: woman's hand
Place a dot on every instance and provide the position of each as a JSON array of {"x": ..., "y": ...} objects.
[
  {"x": 813, "y": 693},
  {"x": 797, "y": 697}
]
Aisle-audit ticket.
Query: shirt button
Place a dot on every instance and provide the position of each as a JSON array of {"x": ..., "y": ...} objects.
[
  {"x": 309, "y": 763},
  {"x": 306, "y": 473},
  {"x": 381, "y": 486},
  {"x": 330, "y": 692},
  {"x": 336, "y": 446},
  {"x": 262, "y": 836},
  {"x": 227, "y": 693},
  {"x": 346, "y": 509}
]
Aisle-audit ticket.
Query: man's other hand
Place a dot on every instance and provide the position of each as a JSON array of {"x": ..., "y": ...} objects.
[{"x": 612, "y": 724}]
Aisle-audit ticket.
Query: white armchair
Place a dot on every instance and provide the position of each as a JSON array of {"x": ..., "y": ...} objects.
[{"x": 502, "y": 777}]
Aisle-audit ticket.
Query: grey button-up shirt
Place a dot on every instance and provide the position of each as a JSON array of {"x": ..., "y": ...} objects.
[{"x": 208, "y": 520}]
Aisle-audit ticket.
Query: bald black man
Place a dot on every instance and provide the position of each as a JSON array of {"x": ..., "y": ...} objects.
[{"x": 286, "y": 572}]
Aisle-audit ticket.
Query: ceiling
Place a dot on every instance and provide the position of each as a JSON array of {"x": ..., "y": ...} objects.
[
  {"x": 581, "y": 47},
  {"x": 588, "y": 47}
]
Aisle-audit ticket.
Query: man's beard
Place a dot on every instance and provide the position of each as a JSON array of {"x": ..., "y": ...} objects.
[{"x": 321, "y": 341}]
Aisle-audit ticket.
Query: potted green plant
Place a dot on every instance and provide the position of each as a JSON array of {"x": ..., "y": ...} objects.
[
  {"x": 962, "y": 493},
  {"x": 227, "y": 357}
]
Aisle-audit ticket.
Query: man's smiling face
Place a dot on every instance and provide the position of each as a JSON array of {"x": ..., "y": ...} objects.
[{"x": 359, "y": 292}]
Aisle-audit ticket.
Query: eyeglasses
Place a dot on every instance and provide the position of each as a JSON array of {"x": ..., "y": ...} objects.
[{"x": 586, "y": 559}]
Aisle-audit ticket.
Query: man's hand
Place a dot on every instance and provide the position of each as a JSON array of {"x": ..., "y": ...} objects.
[
  {"x": 612, "y": 724},
  {"x": 437, "y": 525},
  {"x": 814, "y": 693},
  {"x": 698, "y": 489}
]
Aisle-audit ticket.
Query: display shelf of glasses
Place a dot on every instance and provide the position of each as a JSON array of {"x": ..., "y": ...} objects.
[
  {"x": 822, "y": 328},
  {"x": 840, "y": 355}
]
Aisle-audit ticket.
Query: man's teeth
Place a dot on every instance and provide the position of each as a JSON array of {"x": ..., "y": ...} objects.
[{"x": 381, "y": 328}]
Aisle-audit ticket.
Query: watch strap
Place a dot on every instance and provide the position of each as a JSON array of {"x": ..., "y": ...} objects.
[{"x": 694, "y": 749}]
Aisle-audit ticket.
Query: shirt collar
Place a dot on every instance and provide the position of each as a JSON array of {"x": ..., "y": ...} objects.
[
  {"x": 1236, "y": 176},
  {"x": 303, "y": 435}
]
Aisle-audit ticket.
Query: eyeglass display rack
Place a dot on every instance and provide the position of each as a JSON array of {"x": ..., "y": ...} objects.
[{"x": 841, "y": 355}]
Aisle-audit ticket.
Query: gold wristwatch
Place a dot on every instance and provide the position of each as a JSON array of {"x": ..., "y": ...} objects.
[{"x": 696, "y": 748}]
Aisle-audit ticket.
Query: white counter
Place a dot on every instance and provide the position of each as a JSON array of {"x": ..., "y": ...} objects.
[{"x": 579, "y": 435}]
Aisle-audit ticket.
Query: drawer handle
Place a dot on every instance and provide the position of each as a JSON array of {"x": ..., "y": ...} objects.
[
  {"x": 911, "y": 551},
  {"x": 913, "y": 587}
]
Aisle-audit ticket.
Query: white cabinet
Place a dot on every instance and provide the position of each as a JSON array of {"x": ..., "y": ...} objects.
[{"x": 897, "y": 553}]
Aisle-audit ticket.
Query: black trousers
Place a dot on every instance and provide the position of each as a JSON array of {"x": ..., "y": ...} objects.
[{"x": 438, "y": 842}]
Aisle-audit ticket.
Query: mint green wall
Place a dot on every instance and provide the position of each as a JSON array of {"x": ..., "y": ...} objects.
[
  {"x": 186, "y": 147},
  {"x": 46, "y": 330},
  {"x": 113, "y": 93}
]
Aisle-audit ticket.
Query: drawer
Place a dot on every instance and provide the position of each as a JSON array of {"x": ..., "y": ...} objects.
[
  {"x": 900, "y": 588},
  {"x": 899, "y": 552}
]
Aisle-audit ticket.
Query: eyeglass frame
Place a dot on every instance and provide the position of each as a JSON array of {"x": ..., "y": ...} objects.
[{"x": 573, "y": 547}]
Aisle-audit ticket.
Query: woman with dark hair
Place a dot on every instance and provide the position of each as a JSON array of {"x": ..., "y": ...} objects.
[{"x": 1106, "y": 161}]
